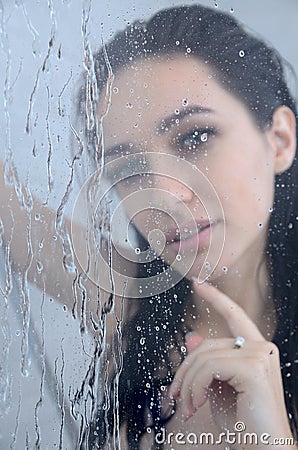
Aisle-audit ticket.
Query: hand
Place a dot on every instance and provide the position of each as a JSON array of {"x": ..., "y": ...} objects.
[{"x": 241, "y": 384}]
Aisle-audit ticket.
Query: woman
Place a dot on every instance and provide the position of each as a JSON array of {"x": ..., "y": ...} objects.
[{"x": 193, "y": 85}]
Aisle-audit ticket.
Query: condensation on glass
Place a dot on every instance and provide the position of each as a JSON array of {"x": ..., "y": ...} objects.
[{"x": 53, "y": 357}]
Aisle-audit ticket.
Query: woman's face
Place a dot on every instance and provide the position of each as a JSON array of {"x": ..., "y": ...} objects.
[{"x": 195, "y": 136}]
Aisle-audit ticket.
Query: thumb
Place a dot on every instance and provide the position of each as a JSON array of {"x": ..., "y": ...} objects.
[{"x": 192, "y": 341}]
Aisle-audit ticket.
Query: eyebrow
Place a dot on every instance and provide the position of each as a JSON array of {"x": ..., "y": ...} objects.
[
  {"x": 114, "y": 151},
  {"x": 166, "y": 123},
  {"x": 163, "y": 126}
]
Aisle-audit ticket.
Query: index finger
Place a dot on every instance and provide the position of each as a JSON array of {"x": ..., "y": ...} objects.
[{"x": 237, "y": 319}]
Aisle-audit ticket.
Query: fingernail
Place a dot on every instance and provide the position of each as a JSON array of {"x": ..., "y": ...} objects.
[
  {"x": 198, "y": 282},
  {"x": 193, "y": 340},
  {"x": 174, "y": 390},
  {"x": 187, "y": 413}
]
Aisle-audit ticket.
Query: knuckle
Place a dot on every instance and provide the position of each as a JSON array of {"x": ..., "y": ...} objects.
[
  {"x": 260, "y": 365},
  {"x": 208, "y": 344},
  {"x": 269, "y": 349},
  {"x": 209, "y": 365},
  {"x": 273, "y": 349}
]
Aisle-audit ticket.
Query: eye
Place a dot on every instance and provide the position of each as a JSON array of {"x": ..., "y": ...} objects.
[
  {"x": 119, "y": 151},
  {"x": 125, "y": 168},
  {"x": 194, "y": 139}
]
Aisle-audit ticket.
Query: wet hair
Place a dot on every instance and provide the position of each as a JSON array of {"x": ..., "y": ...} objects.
[{"x": 254, "y": 72}]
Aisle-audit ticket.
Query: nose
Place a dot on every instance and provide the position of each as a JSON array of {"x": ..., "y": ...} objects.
[
  {"x": 172, "y": 185},
  {"x": 172, "y": 175}
]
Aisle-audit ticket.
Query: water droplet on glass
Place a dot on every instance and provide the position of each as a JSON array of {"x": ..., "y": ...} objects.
[
  {"x": 25, "y": 373},
  {"x": 178, "y": 257},
  {"x": 183, "y": 349},
  {"x": 177, "y": 111},
  {"x": 188, "y": 50},
  {"x": 177, "y": 43},
  {"x": 129, "y": 105},
  {"x": 185, "y": 102},
  {"x": 37, "y": 216},
  {"x": 142, "y": 341},
  {"x": 116, "y": 90},
  {"x": 241, "y": 53},
  {"x": 290, "y": 226},
  {"x": 204, "y": 137},
  {"x": 137, "y": 251},
  {"x": 224, "y": 269},
  {"x": 260, "y": 225},
  {"x": 232, "y": 10},
  {"x": 39, "y": 266}
]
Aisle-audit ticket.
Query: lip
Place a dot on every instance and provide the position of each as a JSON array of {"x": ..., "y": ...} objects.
[
  {"x": 196, "y": 240},
  {"x": 174, "y": 235}
]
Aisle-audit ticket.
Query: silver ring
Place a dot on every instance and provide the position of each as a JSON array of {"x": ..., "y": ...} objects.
[{"x": 239, "y": 342}]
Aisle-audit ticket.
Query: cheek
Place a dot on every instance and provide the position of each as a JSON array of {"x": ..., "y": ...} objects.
[
  {"x": 249, "y": 207},
  {"x": 259, "y": 187},
  {"x": 247, "y": 193}
]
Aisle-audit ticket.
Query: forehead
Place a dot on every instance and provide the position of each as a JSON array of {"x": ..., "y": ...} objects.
[
  {"x": 146, "y": 81},
  {"x": 149, "y": 90},
  {"x": 155, "y": 74}
]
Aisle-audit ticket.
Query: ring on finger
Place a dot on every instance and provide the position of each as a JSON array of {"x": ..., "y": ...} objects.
[{"x": 239, "y": 342}]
